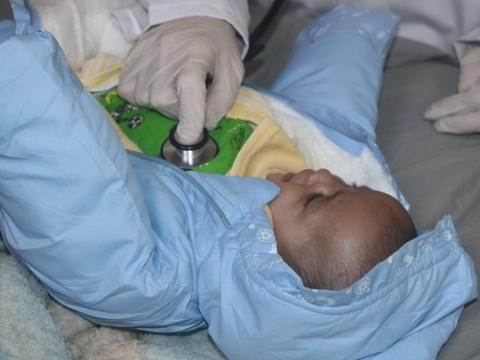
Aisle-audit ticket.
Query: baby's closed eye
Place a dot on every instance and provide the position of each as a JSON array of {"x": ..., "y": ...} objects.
[{"x": 312, "y": 197}]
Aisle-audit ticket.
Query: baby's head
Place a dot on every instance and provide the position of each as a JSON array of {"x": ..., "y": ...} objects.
[{"x": 331, "y": 233}]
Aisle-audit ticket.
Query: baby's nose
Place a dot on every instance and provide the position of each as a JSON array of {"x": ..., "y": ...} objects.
[
  {"x": 321, "y": 175},
  {"x": 325, "y": 180}
]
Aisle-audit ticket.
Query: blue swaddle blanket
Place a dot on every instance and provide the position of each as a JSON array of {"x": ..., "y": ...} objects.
[
  {"x": 334, "y": 72},
  {"x": 128, "y": 240}
]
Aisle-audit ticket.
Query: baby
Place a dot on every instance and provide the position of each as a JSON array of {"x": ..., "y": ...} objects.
[{"x": 331, "y": 233}]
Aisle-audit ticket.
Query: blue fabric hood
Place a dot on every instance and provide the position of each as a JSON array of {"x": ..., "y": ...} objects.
[{"x": 406, "y": 306}]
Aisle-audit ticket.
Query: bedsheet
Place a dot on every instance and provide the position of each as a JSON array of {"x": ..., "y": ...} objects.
[{"x": 438, "y": 173}]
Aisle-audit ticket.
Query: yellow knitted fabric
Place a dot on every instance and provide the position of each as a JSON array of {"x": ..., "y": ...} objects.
[
  {"x": 269, "y": 149},
  {"x": 101, "y": 72}
]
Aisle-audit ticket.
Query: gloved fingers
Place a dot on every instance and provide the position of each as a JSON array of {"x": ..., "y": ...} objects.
[
  {"x": 125, "y": 88},
  {"x": 461, "y": 103},
  {"x": 191, "y": 92},
  {"x": 141, "y": 65},
  {"x": 223, "y": 90},
  {"x": 469, "y": 70},
  {"x": 163, "y": 97},
  {"x": 131, "y": 89},
  {"x": 459, "y": 124},
  {"x": 128, "y": 83}
]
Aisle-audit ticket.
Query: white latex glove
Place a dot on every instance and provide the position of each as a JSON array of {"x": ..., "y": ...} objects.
[
  {"x": 460, "y": 113},
  {"x": 168, "y": 68}
]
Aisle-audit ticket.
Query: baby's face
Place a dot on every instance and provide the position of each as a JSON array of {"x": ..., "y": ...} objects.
[{"x": 320, "y": 200}]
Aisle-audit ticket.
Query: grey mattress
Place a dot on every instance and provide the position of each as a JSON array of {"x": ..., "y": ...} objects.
[{"x": 438, "y": 173}]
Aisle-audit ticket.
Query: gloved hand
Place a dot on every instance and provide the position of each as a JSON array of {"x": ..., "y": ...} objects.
[
  {"x": 169, "y": 66},
  {"x": 460, "y": 113}
]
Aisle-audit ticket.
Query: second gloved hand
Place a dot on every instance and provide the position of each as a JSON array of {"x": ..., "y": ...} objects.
[
  {"x": 169, "y": 66},
  {"x": 460, "y": 113}
]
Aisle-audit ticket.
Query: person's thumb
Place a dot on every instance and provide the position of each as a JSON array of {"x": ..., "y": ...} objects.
[{"x": 461, "y": 103}]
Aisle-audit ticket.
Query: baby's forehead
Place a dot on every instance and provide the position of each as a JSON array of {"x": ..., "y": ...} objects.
[{"x": 361, "y": 208}]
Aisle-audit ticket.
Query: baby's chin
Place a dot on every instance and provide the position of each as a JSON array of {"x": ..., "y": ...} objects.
[{"x": 268, "y": 212}]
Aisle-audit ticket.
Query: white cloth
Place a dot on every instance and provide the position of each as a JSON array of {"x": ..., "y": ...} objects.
[
  {"x": 86, "y": 28},
  {"x": 138, "y": 18},
  {"x": 320, "y": 152},
  {"x": 435, "y": 22}
]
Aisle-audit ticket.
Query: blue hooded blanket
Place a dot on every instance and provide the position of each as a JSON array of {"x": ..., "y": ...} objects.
[{"x": 128, "y": 240}]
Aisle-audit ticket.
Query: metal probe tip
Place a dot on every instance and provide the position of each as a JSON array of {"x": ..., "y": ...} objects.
[{"x": 187, "y": 157}]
